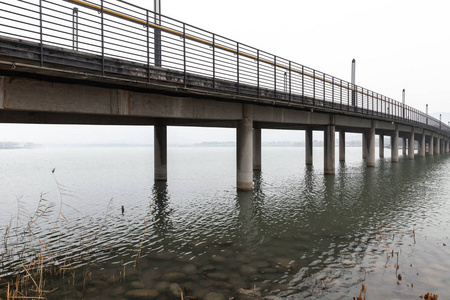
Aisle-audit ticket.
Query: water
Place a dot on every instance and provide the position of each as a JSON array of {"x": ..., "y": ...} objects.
[{"x": 298, "y": 234}]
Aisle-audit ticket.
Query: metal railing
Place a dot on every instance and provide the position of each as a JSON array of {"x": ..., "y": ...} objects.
[{"x": 120, "y": 30}]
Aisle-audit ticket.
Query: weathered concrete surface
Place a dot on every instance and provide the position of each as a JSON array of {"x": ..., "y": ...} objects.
[
  {"x": 370, "y": 146},
  {"x": 160, "y": 152},
  {"x": 308, "y": 146},
  {"x": 329, "y": 149}
]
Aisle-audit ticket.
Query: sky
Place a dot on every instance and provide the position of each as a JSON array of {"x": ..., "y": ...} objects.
[{"x": 397, "y": 44}]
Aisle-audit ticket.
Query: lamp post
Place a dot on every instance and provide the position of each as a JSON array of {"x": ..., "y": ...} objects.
[
  {"x": 427, "y": 114},
  {"x": 403, "y": 100},
  {"x": 353, "y": 82},
  {"x": 157, "y": 5}
]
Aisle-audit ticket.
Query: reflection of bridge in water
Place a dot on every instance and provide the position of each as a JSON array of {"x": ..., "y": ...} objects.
[{"x": 110, "y": 62}]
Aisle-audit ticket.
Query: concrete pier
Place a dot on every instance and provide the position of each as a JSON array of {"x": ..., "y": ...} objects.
[
  {"x": 160, "y": 152},
  {"x": 437, "y": 148},
  {"x": 381, "y": 145},
  {"x": 370, "y": 146},
  {"x": 341, "y": 145},
  {"x": 411, "y": 145},
  {"x": 422, "y": 146},
  {"x": 394, "y": 146},
  {"x": 329, "y": 150},
  {"x": 364, "y": 146},
  {"x": 308, "y": 146},
  {"x": 404, "y": 146},
  {"x": 244, "y": 159},
  {"x": 431, "y": 146},
  {"x": 257, "y": 149}
]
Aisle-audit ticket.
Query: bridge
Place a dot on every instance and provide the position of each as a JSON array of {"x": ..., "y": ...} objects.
[{"x": 111, "y": 62}]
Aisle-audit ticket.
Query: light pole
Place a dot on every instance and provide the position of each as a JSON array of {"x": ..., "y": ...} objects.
[
  {"x": 403, "y": 100},
  {"x": 157, "y": 5},
  {"x": 353, "y": 82},
  {"x": 427, "y": 114}
]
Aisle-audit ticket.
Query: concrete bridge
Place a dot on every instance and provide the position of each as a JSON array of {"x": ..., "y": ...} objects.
[{"x": 110, "y": 62}]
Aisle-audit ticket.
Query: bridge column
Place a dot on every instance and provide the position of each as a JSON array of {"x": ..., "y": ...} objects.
[
  {"x": 394, "y": 145},
  {"x": 364, "y": 146},
  {"x": 411, "y": 145},
  {"x": 437, "y": 148},
  {"x": 329, "y": 149},
  {"x": 431, "y": 146},
  {"x": 342, "y": 145},
  {"x": 244, "y": 157},
  {"x": 404, "y": 146},
  {"x": 370, "y": 146},
  {"x": 308, "y": 146},
  {"x": 381, "y": 145},
  {"x": 257, "y": 149},
  {"x": 160, "y": 152},
  {"x": 422, "y": 146}
]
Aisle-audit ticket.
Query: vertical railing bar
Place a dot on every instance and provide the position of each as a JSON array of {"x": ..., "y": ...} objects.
[
  {"x": 314, "y": 87},
  {"x": 214, "y": 60},
  {"x": 348, "y": 96},
  {"x": 184, "y": 55},
  {"x": 324, "y": 94},
  {"x": 148, "y": 45},
  {"x": 290, "y": 81},
  {"x": 303, "y": 84},
  {"x": 237, "y": 67},
  {"x": 75, "y": 28},
  {"x": 340, "y": 94},
  {"x": 41, "y": 34},
  {"x": 275, "y": 76},
  {"x": 257, "y": 71},
  {"x": 103, "y": 39},
  {"x": 332, "y": 92}
]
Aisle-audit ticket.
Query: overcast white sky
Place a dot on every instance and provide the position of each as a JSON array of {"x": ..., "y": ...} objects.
[{"x": 397, "y": 44}]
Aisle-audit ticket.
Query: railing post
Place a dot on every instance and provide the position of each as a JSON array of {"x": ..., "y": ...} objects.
[
  {"x": 314, "y": 87},
  {"x": 332, "y": 92},
  {"x": 324, "y": 89},
  {"x": 290, "y": 78},
  {"x": 41, "y": 34},
  {"x": 103, "y": 39},
  {"x": 303, "y": 84},
  {"x": 148, "y": 45},
  {"x": 237, "y": 67},
  {"x": 214, "y": 61},
  {"x": 340, "y": 93},
  {"x": 275, "y": 76},
  {"x": 75, "y": 28},
  {"x": 257, "y": 70},
  {"x": 184, "y": 55}
]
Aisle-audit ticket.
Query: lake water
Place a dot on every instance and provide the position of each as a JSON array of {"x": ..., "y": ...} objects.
[{"x": 298, "y": 234}]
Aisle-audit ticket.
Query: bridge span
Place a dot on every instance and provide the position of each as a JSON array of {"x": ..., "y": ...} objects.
[{"x": 111, "y": 62}]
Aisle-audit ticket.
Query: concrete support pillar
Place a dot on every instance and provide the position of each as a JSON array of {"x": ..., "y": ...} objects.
[
  {"x": 422, "y": 146},
  {"x": 329, "y": 150},
  {"x": 308, "y": 146},
  {"x": 394, "y": 146},
  {"x": 244, "y": 157},
  {"x": 411, "y": 145},
  {"x": 342, "y": 145},
  {"x": 448, "y": 147},
  {"x": 257, "y": 149},
  {"x": 404, "y": 146},
  {"x": 437, "y": 148},
  {"x": 381, "y": 145},
  {"x": 431, "y": 146},
  {"x": 160, "y": 152},
  {"x": 364, "y": 146},
  {"x": 370, "y": 145}
]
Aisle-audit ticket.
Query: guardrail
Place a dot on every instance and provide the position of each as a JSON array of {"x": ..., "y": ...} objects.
[{"x": 121, "y": 30}]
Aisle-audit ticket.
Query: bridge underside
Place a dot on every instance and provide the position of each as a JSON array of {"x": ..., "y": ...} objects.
[{"x": 53, "y": 95}]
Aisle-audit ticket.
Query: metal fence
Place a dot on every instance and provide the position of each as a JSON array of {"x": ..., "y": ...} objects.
[{"x": 121, "y": 30}]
